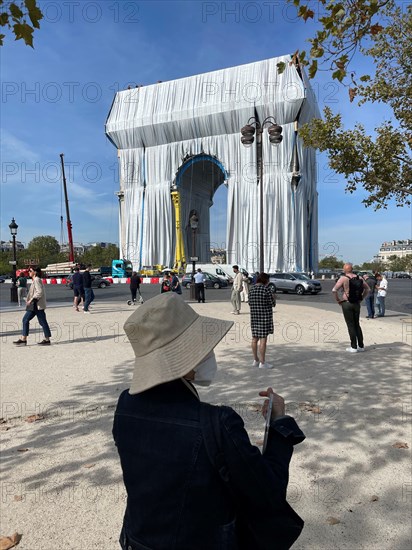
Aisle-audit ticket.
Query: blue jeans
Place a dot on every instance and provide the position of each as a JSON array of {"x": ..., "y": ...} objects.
[
  {"x": 380, "y": 304},
  {"x": 370, "y": 305},
  {"x": 88, "y": 298},
  {"x": 41, "y": 317}
]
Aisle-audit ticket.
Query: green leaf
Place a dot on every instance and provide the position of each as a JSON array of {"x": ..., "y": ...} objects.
[
  {"x": 15, "y": 11},
  {"x": 4, "y": 19},
  {"x": 317, "y": 52},
  {"x": 313, "y": 69},
  {"x": 34, "y": 13},
  {"x": 25, "y": 32},
  {"x": 365, "y": 78},
  {"x": 339, "y": 75},
  {"x": 2, "y": 36},
  {"x": 281, "y": 67}
]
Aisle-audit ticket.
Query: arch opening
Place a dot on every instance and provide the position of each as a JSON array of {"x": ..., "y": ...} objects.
[{"x": 197, "y": 181}]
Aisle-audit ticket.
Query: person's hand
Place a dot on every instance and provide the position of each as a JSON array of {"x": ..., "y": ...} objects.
[{"x": 278, "y": 407}]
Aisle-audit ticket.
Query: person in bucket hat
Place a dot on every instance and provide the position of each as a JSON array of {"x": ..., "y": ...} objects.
[{"x": 193, "y": 479}]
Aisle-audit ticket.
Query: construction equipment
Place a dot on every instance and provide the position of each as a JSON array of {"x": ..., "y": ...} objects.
[
  {"x": 69, "y": 223},
  {"x": 60, "y": 269},
  {"x": 180, "y": 258}
]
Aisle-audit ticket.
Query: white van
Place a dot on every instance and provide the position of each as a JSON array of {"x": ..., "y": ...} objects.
[{"x": 224, "y": 271}]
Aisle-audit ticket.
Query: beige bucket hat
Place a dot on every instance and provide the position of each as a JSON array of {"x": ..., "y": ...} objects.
[{"x": 169, "y": 339}]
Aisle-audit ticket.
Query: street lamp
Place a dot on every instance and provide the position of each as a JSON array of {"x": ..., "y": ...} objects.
[
  {"x": 13, "y": 290},
  {"x": 194, "y": 224},
  {"x": 248, "y": 137}
]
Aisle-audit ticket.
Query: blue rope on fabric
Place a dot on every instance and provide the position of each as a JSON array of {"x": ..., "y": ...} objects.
[{"x": 199, "y": 158}]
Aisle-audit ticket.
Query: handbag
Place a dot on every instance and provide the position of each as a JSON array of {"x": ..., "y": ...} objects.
[{"x": 32, "y": 306}]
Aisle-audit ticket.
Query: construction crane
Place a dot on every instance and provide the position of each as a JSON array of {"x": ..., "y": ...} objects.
[
  {"x": 69, "y": 223},
  {"x": 180, "y": 258}
]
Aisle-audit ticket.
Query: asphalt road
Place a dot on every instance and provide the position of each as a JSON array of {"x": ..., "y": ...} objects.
[{"x": 399, "y": 296}]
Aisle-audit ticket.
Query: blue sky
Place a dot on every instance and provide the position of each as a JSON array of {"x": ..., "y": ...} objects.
[{"x": 55, "y": 99}]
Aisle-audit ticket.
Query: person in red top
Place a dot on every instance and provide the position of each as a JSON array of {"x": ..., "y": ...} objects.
[{"x": 350, "y": 309}]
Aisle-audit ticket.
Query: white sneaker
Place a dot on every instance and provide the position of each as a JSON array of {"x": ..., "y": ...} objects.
[
  {"x": 255, "y": 363},
  {"x": 234, "y": 312},
  {"x": 265, "y": 366},
  {"x": 361, "y": 349},
  {"x": 352, "y": 350}
]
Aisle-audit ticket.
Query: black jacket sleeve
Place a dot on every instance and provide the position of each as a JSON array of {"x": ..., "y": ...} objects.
[{"x": 259, "y": 482}]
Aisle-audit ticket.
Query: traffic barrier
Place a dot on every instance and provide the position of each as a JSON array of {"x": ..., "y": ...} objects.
[{"x": 115, "y": 281}]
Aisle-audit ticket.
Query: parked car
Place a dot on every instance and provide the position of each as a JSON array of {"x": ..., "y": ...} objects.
[
  {"x": 2, "y": 278},
  {"x": 97, "y": 282},
  {"x": 211, "y": 281},
  {"x": 293, "y": 282}
]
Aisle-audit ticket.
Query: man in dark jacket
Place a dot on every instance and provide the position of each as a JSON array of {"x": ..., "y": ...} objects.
[
  {"x": 370, "y": 298},
  {"x": 88, "y": 291},
  {"x": 78, "y": 288},
  {"x": 193, "y": 479},
  {"x": 134, "y": 285}
]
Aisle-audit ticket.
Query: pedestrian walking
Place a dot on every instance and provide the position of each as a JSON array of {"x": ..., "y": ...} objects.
[
  {"x": 370, "y": 298},
  {"x": 382, "y": 288},
  {"x": 192, "y": 477},
  {"x": 200, "y": 279},
  {"x": 21, "y": 288},
  {"x": 87, "y": 287},
  {"x": 135, "y": 286},
  {"x": 244, "y": 295},
  {"x": 78, "y": 288},
  {"x": 176, "y": 287},
  {"x": 349, "y": 291},
  {"x": 166, "y": 284},
  {"x": 261, "y": 301},
  {"x": 236, "y": 290},
  {"x": 35, "y": 307}
]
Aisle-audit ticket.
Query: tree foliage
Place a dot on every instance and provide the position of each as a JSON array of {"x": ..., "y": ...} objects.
[
  {"x": 395, "y": 263},
  {"x": 381, "y": 30},
  {"x": 376, "y": 265},
  {"x": 380, "y": 165},
  {"x": 330, "y": 262},
  {"x": 98, "y": 256},
  {"x": 45, "y": 248},
  {"x": 16, "y": 17}
]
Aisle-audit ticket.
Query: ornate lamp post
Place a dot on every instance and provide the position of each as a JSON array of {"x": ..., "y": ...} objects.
[
  {"x": 13, "y": 290},
  {"x": 194, "y": 224},
  {"x": 248, "y": 137}
]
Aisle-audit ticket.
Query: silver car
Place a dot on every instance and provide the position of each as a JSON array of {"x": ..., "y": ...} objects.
[{"x": 293, "y": 282}]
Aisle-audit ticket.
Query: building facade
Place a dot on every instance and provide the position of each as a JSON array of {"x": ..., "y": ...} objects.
[
  {"x": 395, "y": 248},
  {"x": 182, "y": 139}
]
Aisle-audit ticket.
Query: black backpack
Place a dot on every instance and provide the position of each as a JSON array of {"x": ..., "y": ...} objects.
[{"x": 355, "y": 289}]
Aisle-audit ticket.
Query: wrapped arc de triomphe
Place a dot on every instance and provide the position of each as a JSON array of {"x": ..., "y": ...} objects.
[{"x": 185, "y": 134}]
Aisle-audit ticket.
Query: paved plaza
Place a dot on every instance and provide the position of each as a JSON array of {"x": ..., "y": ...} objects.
[{"x": 349, "y": 480}]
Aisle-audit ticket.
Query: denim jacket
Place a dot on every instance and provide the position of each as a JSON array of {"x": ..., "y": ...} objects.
[{"x": 176, "y": 499}]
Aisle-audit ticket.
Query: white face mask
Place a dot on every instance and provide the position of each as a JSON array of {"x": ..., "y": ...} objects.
[{"x": 206, "y": 370}]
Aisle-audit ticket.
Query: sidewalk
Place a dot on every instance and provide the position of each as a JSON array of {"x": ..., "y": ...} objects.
[{"x": 61, "y": 480}]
